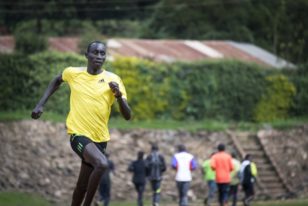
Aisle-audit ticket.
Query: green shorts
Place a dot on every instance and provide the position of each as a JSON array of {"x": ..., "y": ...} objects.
[{"x": 79, "y": 143}]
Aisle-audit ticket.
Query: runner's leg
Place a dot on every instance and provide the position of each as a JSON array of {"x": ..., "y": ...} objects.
[
  {"x": 82, "y": 183},
  {"x": 95, "y": 157}
]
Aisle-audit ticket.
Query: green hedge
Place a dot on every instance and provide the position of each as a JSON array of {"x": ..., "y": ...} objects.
[
  {"x": 220, "y": 90},
  {"x": 276, "y": 101},
  {"x": 15, "y": 88},
  {"x": 299, "y": 78},
  {"x": 227, "y": 90}
]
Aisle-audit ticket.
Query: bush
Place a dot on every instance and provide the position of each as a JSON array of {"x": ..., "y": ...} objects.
[
  {"x": 146, "y": 86},
  {"x": 88, "y": 35},
  {"x": 16, "y": 90},
  {"x": 277, "y": 99},
  {"x": 28, "y": 40},
  {"x": 46, "y": 66},
  {"x": 119, "y": 28},
  {"x": 221, "y": 90},
  {"x": 299, "y": 78},
  {"x": 224, "y": 90}
]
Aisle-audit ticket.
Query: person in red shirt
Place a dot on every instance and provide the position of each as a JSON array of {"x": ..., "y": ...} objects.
[{"x": 221, "y": 162}]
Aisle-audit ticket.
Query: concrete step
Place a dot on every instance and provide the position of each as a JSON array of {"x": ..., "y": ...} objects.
[
  {"x": 273, "y": 186},
  {"x": 277, "y": 192},
  {"x": 267, "y": 173},
  {"x": 260, "y": 161},
  {"x": 254, "y": 151},
  {"x": 269, "y": 179},
  {"x": 262, "y": 167},
  {"x": 251, "y": 147}
]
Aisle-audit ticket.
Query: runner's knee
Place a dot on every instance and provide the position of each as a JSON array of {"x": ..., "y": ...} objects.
[{"x": 100, "y": 164}]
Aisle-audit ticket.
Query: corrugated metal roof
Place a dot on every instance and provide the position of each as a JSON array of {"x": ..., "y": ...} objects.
[
  {"x": 64, "y": 44},
  {"x": 7, "y": 44},
  {"x": 230, "y": 52},
  {"x": 260, "y": 53},
  {"x": 169, "y": 50}
]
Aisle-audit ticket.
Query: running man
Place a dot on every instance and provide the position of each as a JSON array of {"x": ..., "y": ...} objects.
[{"x": 93, "y": 91}]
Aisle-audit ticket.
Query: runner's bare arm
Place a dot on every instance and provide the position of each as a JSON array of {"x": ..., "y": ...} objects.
[{"x": 52, "y": 87}]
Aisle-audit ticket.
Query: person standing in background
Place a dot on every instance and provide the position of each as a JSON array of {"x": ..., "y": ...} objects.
[
  {"x": 183, "y": 162},
  {"x": 138, "y": 168},
  {"x": 209, "y": 176},
  {"x": 221, "y": 162}
]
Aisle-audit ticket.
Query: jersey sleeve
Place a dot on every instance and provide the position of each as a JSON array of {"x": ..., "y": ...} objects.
[{"x": 67, "y": 74}]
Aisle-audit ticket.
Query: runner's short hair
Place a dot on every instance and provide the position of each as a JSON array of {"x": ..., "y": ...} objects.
[{"x": 94, "y": 42}]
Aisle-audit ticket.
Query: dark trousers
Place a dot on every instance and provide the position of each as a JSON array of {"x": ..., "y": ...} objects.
[
  {"x": 104, "y": 191},
  {"x": 233, "y": 194},
  {"x": 211, "y": 191},
  {"x": 156, "y": 191},
  {"x": 223, "y": 190},
  {"x": 140, "y": 189},
  {"x": 183, "y": 188},
  {"x": 249, "y": 193}
]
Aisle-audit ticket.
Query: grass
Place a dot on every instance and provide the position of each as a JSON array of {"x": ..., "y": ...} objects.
[
  {"x": 283, "y": 203},
  {"x": 209, "y": 125},
  {"x": 27, "y": 199},
  {"x": 22, "y": 199},
  {"x": 188, "y": 125}
]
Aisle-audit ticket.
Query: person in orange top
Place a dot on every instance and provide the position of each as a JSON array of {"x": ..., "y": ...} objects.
[{"x": 221, "y": 162}]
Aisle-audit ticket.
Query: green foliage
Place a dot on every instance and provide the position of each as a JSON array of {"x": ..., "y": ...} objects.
[
  {"x": 25, "y": 78},
  {"x": 29, "y": 42},
  {"x": 146, "y": 86},
  {"x": 15, "y": 88},
  {"x": 119, "y": 28},
  {"x": 89, "y": 34},
  {"x": 46, "y": 66},
  {"x": 277, "y": 99},
  {"x": 215, "y": 90},
  {"x": 299, "y": 77},
  {"x": 220, "y": 90},
  {"x": 76, "y": 27},
  {"x": 277, "y": 25}
]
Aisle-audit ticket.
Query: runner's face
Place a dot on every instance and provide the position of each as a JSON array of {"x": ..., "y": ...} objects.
[{"x": 96, "y": 55}]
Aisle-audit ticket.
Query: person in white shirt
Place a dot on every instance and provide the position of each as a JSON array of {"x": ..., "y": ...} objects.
[{"x": 183, "y": 162}]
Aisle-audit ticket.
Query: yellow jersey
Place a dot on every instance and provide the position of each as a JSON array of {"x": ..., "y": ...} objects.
[{"x": 90, "y": 102}]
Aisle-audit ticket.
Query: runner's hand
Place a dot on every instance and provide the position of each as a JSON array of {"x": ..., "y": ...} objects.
[
  {"x": 37, "y": 112},
  {"x": 115, "y": 89}
]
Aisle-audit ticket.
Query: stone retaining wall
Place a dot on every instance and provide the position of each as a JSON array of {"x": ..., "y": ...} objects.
[{"x": 36, "y": 157}]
